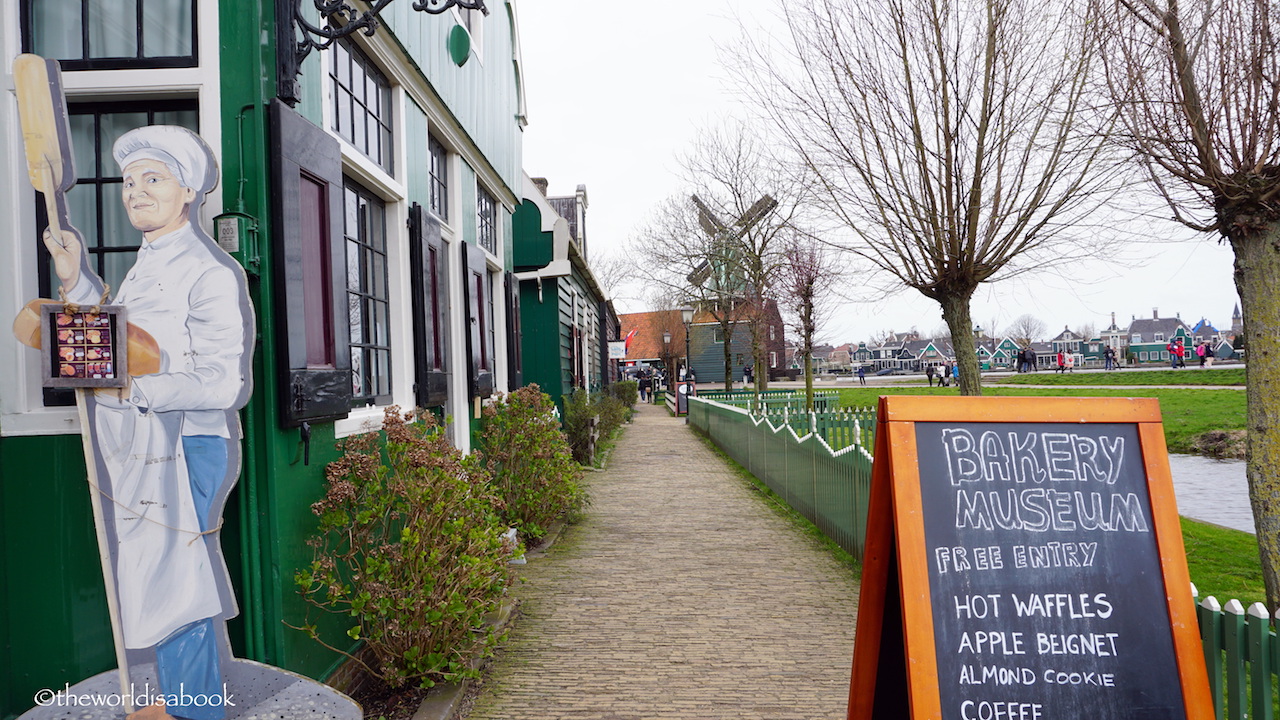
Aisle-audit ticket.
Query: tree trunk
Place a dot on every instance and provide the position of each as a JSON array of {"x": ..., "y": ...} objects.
[
  {"x": 955, "y": 311},
  {"x": 807, "y": 323},
  {"x": 808, "y": 382},
  {"x": 726, "y": 331},
  {"x": 1257, "y": 265}
]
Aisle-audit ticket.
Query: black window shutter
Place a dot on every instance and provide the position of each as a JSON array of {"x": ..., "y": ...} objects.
[
  {"x": 515, "y": 362},
  {"x": 430, "y": 309},
  {"x": 300, "y": 149},
  {"x": 475, "y": 276}
]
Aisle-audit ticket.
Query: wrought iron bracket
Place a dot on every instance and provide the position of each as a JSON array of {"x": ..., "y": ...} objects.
[{"x": 297, "y": 36}]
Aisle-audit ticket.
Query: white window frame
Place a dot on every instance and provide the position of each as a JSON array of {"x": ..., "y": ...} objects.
[
  {"x": 392, "y": 190},
  {"x": 22, "y": 410}
]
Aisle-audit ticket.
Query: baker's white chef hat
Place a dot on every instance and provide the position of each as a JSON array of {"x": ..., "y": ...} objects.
[{"x": 184, "y": 152}]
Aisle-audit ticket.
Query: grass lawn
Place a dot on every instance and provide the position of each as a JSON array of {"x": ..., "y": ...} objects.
[
  {"x": 1187, "y": 376},
  {"x": 1186, "y": 413},
  {"x": 1223, "y": 563}
]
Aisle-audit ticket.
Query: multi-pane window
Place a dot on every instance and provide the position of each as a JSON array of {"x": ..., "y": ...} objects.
[
  {"x": 439, "y": 171},
  {"x": 486, "y": 220},
  {"x": 108, "y": 34},
  {"x": 361, "y": 103},
  {"x": 368, "y": 308},
  {"x": 95, "y": 203}
]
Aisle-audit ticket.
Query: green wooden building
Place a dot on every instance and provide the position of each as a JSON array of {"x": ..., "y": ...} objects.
[
  {"x": 374, "y": 219},
  {"x": 566, "y": 317}
]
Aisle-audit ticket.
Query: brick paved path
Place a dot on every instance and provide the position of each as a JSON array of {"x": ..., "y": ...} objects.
[{"x": 680, "y": 595}]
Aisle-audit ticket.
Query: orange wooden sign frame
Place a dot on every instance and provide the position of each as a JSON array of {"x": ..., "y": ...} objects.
[{"x": 895, "y": 664}]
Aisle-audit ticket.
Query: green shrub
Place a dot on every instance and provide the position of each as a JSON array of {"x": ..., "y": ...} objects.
[
  {"x": 628, "y": 391},
  {"x": 612, "y": 412},
  {"x": 409, "y": 547},
  {"x": 533, "y": 474},
  {"x": 609, "y": 411},
  {"x": 578, "y": 411}
]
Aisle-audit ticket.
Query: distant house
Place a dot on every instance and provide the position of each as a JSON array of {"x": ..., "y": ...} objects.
[
  {"x": 841, "y": 357},
  {"x": 653, "y": 339},
  {"x": 707, "y": 344},
  {"x": 1001, "y": 354},
  {"x": 1149, "y": 338},
  {"x": 1067, "y": 341}
]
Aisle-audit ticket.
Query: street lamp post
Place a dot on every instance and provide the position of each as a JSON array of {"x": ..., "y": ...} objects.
[
  {"x": 666, "y": 355},
  {"x": 686, "y": 315}
]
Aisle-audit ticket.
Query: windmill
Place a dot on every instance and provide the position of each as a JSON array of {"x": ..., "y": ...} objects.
[{"x": 723, "y": 263}]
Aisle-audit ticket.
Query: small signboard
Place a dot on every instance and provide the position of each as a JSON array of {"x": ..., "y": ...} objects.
[
  {"x": 1024, "y": 561},
  {"x": 617, "y": 349},
  {"x": 84, "y": 349}
]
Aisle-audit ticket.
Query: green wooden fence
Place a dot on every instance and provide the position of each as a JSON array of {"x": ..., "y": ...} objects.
[
  {"x": 829, "y": 482},
  {"x": 831, "y": 487},
  {"x": 1242, "y": 654}
]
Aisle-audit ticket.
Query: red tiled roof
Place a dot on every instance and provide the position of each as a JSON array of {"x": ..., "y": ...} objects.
[{"x": 649, "y": 326}]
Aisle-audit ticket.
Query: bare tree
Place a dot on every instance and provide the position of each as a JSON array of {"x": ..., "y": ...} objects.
[
  {"x": 750, "y": 207},
  {"x": 884, "y": 337},
  {"x": 612, "y": 272},
  {"x": 806, "y": 284},
  {"x": 669, "y": 248},
  {"x": 1026, "y": 329},
  {"x": 948, "y": 138},
  {"x": 1198, "y": 83},
  {"x": 721, "y": 243}
]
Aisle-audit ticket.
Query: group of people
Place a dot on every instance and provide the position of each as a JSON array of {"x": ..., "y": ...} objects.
[
  {"x": 1026, "y": 359},
  {"x": 1178, "y": 352},
  {"x": 946, "y": 373},
  {"x": 649, "y": 381}
]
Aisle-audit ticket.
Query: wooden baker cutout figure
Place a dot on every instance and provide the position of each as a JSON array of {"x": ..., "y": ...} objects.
[
  {"x": 162, "y": 445},
  {"x": 170, "y": 441}
]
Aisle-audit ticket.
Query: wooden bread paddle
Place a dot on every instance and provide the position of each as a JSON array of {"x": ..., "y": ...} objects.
[{"x": 43, "y": 115}]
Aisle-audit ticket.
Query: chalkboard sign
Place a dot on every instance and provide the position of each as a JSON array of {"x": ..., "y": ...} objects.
[{"x": 1024, "y": 562}]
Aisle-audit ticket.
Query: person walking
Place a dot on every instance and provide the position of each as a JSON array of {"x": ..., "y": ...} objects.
[
  {"x": 928, "y": 373},
  {"x": 1109, "y": 356},
  {"x": 1071, "y": 362},
  {"x": 1202, "y": 352},
  {"x": 1062, "y": 363},
  {"x": 862, "y": 375}
]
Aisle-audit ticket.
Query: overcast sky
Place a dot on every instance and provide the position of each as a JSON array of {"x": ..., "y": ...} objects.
[{"x": 617, "y": 90}]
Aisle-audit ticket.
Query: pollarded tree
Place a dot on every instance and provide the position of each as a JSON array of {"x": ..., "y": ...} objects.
[
  {"x": 807, "y": 285},
  {"x": 956, "y": 141},
  {"x": 1198, "y": 83}
]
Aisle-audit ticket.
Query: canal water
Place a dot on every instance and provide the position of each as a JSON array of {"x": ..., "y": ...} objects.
[{"x": 1214, "y": 491}]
